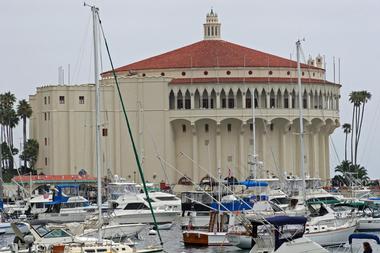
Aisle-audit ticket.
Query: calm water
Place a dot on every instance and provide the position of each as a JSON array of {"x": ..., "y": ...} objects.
[{"x": 173, "y": 243}]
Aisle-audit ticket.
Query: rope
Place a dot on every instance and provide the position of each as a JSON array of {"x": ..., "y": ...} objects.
[{"x": 130, "y": 132}]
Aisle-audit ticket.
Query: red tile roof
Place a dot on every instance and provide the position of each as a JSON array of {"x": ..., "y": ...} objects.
[
  {"x": 211, "y": 53},
  {"x": 246, "y": 80}
]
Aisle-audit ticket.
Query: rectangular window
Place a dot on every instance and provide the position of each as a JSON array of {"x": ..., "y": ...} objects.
[
  {"x": 251, "y": 127},
  {"x": 248, "y": 103},
  {"x": 286, "y": 103},
  {"x": 45, "y": 100},
  {"x": 304, "y": 103},
  {"x": 224, "y": 105},
  {"x": 212, "y": 103},
  {"x": 46, "y": 161},
  {"x": 256, "y": 103},
  {"x": 61, "y": 99},
  {"x": 231, "y": 103},
  {"x": 104, "y": 132},
  {"x": 49, "y": 100},
  {"x": 45, "y": 115},
  {"x": 184, "y": 128},
  {"x": 272, "y": 103},
  {"x": 81, "y": 100},
  {"x": 48, "y": 115},
  {"x": 229, "y": 127},
  {"x": 206, "y": 128},
  {"x": 205, "y": 103},
  {"x": 46, "y": 141},
  {"x": 179, "y": 104},
  {"x": 187, "y": 104}
]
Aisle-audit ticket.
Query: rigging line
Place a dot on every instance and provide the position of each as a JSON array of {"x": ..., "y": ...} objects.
[
  {"x": 130, "y": 131},
  {"x": 336, "y": 153},
  {"x": 78, "y": 63}
]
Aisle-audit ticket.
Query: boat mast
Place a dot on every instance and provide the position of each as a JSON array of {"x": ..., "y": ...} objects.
[
  {"x": 300, "y": 105},
  {"x": 94, "y": 11},
  {"x": 254, "y": 155}
]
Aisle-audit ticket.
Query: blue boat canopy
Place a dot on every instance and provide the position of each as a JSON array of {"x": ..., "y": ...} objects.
[
  {"x": 249, "y": 183},
  {"x": 363, "y": 236},
  {"x": 286, "y": 220}
]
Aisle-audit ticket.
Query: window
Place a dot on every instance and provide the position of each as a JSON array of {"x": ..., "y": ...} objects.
[
  {"x": 187, "y": 103},
  {"x": 134, "y": 206},
  {"x": 248, "y": 103},
  {"x": 184, "y": 128},
  {"x": 256, "y": 103},
  {"x": 48, "y": 115},
  {"x": 205, "y": 103},
  {"x": 224, "y": 104},
  {"x": 179, "y": 103},
  {"x": 270, "y": 72},
  {"x": 46, "y": 161},
  {"x": 286, "y": 103},
  {"x": 272, "y": 103},
  {"x": 250, "y": 72},
  {"x": 45, "y": 115},
  {"x": 231, "y": 103},
  {"x": 46, "y": 141},
  {"x": 229, "y": 127},
  {"x": 205, "y": 73},
  {"x": 61, "y": 99},
  {"x": 45, "y": 99},
  {"x": 228, "y": 72},
  {"x": 183, "y": 73},
  {"x": 212, "y": 103},
  {"x": 288, "y": 73},
  {"x": 229, "y": 158},
  {"x": 104, "y": 132},
  {"x": 251, "y": 127},
  {"x": 81, "y": 100},
  {"x": 303, "y": 73},
  {"x": 169, "y": 198},
  {"x": 49, "y": 100},
  {"x": 206, "y": 128},
  {"x": 143, "y": 74},
  {"x": 162, "y": 74}
]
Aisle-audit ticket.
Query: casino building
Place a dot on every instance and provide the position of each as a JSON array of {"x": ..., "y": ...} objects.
[{"x": 192, "y": 107}]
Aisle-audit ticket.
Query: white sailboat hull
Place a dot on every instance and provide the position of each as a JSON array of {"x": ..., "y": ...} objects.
[
  {"x": 143, "y": 216},
  {"x": 332, "y": 237}
]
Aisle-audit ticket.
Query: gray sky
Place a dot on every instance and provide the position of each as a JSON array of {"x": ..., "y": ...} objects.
[{"x": 39, "y": 36}]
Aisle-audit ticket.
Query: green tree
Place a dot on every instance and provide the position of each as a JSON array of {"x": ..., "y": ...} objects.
[
  {"x": 24, "y": 111},
  {"x": 352, "y": 173},
  {"x": 30, "y": 153},
  {"x": 347, "y": 130}
]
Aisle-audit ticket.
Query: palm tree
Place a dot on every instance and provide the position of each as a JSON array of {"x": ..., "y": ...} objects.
[
  {"x": 30, "y": 153},
  {"x": 24, "y": 111},
  {"x": 347, "y": 130},
  {"x": 365, "y": 96},
  {"x": 355, "y": 99}
]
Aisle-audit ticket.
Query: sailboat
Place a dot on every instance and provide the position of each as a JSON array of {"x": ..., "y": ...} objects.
[{"x": 100, "y": 245}]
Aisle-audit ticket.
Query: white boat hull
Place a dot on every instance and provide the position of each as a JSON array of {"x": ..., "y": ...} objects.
[
  {"x": 144, "y": 216},
  {"x": 116, "y": 231},
  {"x": 334, "y": 237},
  {"x": 368, "y": 224},
  {"x": 63, "y": 217},
  {"x": 240, "y": 240}
]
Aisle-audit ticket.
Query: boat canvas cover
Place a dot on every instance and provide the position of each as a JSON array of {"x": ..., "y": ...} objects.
[{"x": 363, "y": 236}]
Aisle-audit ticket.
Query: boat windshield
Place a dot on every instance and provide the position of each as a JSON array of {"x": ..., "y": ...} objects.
[
  {"x": 45, "y": 232},
  {"x": 117, "y": 190},
  {"x": 281, "y": 200}
]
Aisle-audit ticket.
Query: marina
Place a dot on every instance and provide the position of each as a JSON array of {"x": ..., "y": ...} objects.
[{"x": 211, "y": 147}]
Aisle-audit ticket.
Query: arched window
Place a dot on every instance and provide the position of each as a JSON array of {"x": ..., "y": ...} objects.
[
  {"x": 187, "y": 100},
  {"x": 223, "y": 101},
  {"x": 196, "y": 99},
  {"x": 179, "y": 100},
  {"x": 248, "y": 99},
  {"x": 212, "y": 99},
  {"x": 171, "y": 100},
  {"x": 231, "y": 99},
  {"x": 205, "y": 99}
]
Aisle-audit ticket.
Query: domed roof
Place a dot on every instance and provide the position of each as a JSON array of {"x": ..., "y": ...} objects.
[{"x": 211, "y": 53}]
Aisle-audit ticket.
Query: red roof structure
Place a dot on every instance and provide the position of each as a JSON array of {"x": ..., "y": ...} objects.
[{"x": 211, "y": 53}]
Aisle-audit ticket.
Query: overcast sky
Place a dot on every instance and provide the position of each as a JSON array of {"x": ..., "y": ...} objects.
[{"x": 39, "y": 36}]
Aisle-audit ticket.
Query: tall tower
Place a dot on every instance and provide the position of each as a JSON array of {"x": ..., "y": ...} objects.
[{"x": 211, "y": 27}]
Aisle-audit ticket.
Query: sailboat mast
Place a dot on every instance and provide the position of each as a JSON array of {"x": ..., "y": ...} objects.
[
  {"x": 94, "y": 11},
  {"x": 254, "y": 156},
  {"x": 300, "y": 105}
]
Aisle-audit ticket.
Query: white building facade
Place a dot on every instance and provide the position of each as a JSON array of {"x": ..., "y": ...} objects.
[{"x": 192, "y": 107}]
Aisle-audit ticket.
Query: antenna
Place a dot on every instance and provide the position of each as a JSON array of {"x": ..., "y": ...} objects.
[
  {"x": 68, "y": 73},
  {"x": 339, "y": 70},
  {"x": 334, "y": 67}
]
